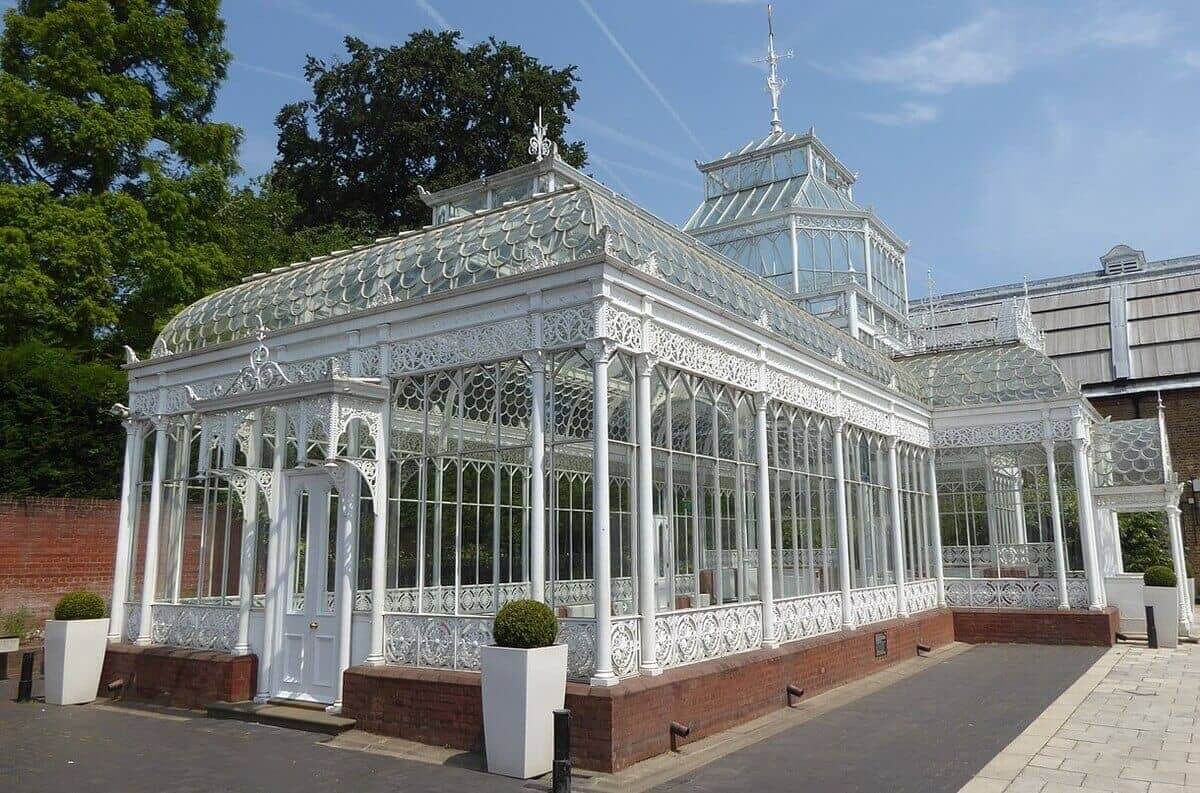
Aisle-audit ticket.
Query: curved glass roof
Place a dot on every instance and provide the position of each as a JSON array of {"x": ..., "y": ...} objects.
[
  {"x": 1129, "y": 453},
  {"x": 992, "y": 375},
  {"x": 565, "y": 225}
]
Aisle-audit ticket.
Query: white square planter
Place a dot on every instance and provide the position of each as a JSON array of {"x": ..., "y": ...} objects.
[
  {"x": 9, "y": 644},
  {"x": 1165, "y": 600},
  {"x": 74, "y": 658},
  {"x": 521, "y": 691}
]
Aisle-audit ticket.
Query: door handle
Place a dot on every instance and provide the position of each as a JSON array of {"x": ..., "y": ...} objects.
[{"x": 313, "y": 625}]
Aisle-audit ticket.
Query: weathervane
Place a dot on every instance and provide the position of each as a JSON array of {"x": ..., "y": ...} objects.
[
  {"x": 539, "y": 145},
  {"x": 774, "y": 82}
]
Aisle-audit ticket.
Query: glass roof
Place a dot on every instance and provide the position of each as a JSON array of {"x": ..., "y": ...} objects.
[
  {"x": 1128, "y": 453},
  {"x": 804, "y": 192},
  {"x": 987, "y": 376},
  {"x": 565, "y": 224}
]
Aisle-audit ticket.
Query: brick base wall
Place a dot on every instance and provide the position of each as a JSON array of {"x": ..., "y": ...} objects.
[
  {"x": 612, "y": 728},
  {"x": 1091, "y": 628},
  {"x": 179, "y": 677}
]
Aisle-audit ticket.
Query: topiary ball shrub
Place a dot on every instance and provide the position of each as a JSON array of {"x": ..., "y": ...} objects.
[
  {"x": 1159, "y": 575},
  {"x": 79, "y": 606},
  {"x": 525, "y": 624}
]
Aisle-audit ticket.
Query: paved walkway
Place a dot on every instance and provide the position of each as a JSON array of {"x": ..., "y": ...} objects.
[
  {"x": 922, "y": 727},
  {"x": 1131, "y": 723},
  {"x": 927, "y": 733}
]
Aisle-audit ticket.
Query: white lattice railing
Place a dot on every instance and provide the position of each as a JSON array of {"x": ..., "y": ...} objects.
[
  {"x": 441, "y": 641},
  {"x": 1014, "y": 593},
  {"x": 200, "y": 627},
  {"x": 626, "y": 645},
  {"x": 920, "y": 595},
  {"x": 808, "y": 615},
  {"x": 688, "y": 636},
  {"x": 1040, "y": 554},
  {"x": 133, "y": 620},
  {"x": 873, "y": 604},
  {"x": 481, "y": 599}
]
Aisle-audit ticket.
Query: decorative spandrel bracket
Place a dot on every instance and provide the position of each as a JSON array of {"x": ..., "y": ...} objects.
[
  {"x": 244, "y": 480},
  {"x": 343, "y": 471}
]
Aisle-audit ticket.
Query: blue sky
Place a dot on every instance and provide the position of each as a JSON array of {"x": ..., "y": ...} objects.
[{"x": 1002, "y": 139}]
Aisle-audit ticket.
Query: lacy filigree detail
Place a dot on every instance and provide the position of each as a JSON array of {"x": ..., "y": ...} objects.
[
  {"x": 464, "y": 346},
  {"x": 685, "y": 637},
  {"x": 808, "y": 615},
  {"x": 196, "y": 626},
  {"x": 1014, "y": 433}
]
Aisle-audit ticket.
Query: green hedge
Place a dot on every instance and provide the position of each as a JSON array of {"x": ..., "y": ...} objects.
[
  {"x": 79, "y": 606},
  {"x": 525, "y": 624},
  {"x": 1159, "y": 575}
]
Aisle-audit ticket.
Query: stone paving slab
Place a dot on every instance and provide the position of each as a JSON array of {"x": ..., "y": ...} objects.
[{"x": 1131, "y": 724}]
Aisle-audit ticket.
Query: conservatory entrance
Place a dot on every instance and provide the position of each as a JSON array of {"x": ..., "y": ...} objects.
[{"x": 308, "y": 632}]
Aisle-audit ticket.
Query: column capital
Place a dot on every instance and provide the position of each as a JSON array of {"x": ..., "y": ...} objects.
[
  {"x": 600, "y": 350},
  {"x": 646, "y": 363},
  {"x": 1048, "y": 445},
  {"x": 535, "y": 360},
  {"x": 1173, "y": 511}
]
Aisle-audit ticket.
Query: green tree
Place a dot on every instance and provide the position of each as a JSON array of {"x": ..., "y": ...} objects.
[
  {"x": 112, "y": 171},
  {"x": 57, "y": 437},
  {"x": 425, "y": 113},
  {"x": 1143, "y": 541}
]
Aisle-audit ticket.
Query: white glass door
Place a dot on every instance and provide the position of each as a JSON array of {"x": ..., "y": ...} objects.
[{"x": 309, "y": 632}]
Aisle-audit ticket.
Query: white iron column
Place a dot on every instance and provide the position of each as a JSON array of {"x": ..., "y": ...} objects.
[
  {"x": 843, "y": 526},
  {"x": 124, "y": 560},
  {"x": 646, "y": 558},
  {"x": 602, "y": 675},
  {"x": 935, "y": 519},
  {"x": 348, "y": 499},
  {"x": 1175, "y": 532},
  {"x": 1087, "y": 522},
  {"x": 897, "y": 527},
  {"x": 249, "y": 539},
  {"x": 1060, "y": 555},
  {"x": 766, "y": 583},
  {"x": 383, "y": 453},
  {"x": 276, "y": 583},
  {"x": 537, "y": 478},
  {"x": 150, "y": 573}
]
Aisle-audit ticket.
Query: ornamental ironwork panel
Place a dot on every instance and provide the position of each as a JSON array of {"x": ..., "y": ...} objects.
[
  {"x": 873, "y": 604},
  {"x": 685, "y": 637},
  {"x": 199, "y": 627},
  {"x": 808, "y": 615},
  {"x": 920, "y": 595},
  {"x": 439, "y": 641},
  {"x": 1014, "y": 593}
]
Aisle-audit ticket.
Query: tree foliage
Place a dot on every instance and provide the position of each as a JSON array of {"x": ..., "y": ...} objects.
[
  {"x": 1143, "y": 541},
  {"x": 426, "y": 113},
  {"x": 57, "y": 437}
]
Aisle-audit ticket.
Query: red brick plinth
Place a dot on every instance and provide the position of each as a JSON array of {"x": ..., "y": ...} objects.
[
  {"x": 179, "y": 677},
  {"x": 612, "y": 728},
  {"x": 1002, "y": 626}
]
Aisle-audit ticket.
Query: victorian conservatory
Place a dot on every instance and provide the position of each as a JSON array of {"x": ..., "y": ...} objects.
[{"x": 690, "y": 443}]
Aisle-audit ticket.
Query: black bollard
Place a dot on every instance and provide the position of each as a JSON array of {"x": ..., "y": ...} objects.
[
  {"x": 562, "y": 752},
  {"x": 25, "y": 687},
  {"x": 1151, "y": 631},
  {"x": 794, "y": 692}
]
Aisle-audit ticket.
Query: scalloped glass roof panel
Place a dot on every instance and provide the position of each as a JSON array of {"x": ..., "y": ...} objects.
[
  {"x": 1128, "y": 453},
  {"x": 987, "y": 376},
  {"x": 803, "y": 192},
  {"x": 565, "y": 225}
]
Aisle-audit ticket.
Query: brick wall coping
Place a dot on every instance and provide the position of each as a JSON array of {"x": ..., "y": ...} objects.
[{"x": 163, "y": 651}]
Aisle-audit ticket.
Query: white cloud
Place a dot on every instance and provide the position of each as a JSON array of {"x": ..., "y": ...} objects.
[
  {"x": 1191, "y": 58},
  {"x": 433, "y": 13},
  {"x": 295, "y": 78},
  {"x": 624, "y": 138},
  {"x": 994, "y": 46},
  {"x": 908, "y": 114}
]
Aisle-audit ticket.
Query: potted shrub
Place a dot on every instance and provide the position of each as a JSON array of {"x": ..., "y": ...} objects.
[
  {"x": 75, "y": 642},
  {"x": 524, "y": 682},
  {"x": 1160, "y": 592}
]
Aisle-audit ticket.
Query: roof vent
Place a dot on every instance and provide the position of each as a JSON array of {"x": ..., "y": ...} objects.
[{"x": 1123, "y": 259}]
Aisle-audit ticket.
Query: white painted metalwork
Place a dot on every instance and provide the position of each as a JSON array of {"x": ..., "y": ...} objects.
[
  {"x": 1014, "y": 593},
  {"x": 691, "y": 635},
  {"x": 808, "y": 615},
  {"x": 873, "y": 604},
  {"x": 921, "y": 595},
  {"x": 200, "y": 627}
]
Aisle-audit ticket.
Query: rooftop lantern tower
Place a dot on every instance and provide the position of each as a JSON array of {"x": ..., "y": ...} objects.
[{"x": 783, "y": 207}]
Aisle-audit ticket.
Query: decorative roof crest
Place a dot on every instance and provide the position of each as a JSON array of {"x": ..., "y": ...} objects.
[{"x": 540, "y": 146}]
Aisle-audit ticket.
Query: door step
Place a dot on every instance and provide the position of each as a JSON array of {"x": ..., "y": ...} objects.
[{"x": 278, "y": 713}]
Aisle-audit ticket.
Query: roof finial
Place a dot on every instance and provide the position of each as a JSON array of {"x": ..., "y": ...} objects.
[
  {"x": 774, "y": 82},
  {"x": 539, "y": 145}
]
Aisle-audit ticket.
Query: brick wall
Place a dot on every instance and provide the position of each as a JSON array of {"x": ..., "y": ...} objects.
[
  {"x": 1181, "y": 410},
  {"x": 179, "y": 677},
  {"x": 49, "y": 546},
  {"x": 1088, "y": 628}
]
